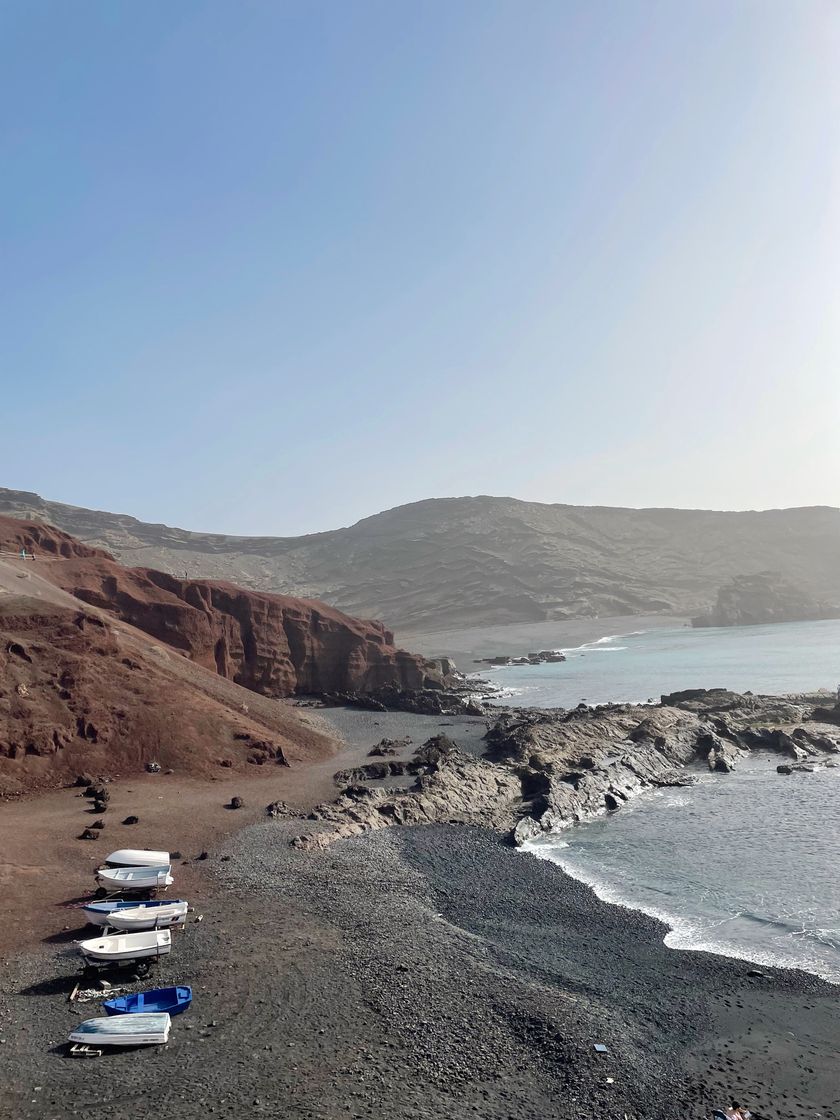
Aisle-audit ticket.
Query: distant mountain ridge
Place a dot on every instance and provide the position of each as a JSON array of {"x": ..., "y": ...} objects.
[{"x": 485, "y": 560}]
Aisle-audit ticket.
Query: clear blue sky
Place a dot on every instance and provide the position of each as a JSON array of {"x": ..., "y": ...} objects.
[{"x": 271, "y": 267}]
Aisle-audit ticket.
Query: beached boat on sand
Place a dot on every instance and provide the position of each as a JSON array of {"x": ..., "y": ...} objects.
[
  {"x": 172, "y": 1000},
  {"x": 126, "y": 946},
  {"x": 99, "y": 913},
  {"x": 135, "y": 878},
  {"x": 123, "y": 1030},
  {"x": 149, "y": 917},
  {"x": 137, "y": 857}
]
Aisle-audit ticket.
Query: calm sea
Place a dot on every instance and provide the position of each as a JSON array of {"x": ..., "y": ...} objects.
[
  {"x": 743, "y": 864},
  {"x": 783, "y": 658}
]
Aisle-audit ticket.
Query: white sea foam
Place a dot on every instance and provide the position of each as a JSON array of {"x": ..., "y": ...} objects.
[{"x": 691, "y": 934}]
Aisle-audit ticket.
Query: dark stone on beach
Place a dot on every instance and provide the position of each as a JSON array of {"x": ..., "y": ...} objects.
[
  {"x": 131, "y": 820},
  {"x": 153, "y": 767},
  {"x": 203, "y": 855},
  {"x": 99, "y": 807},
  {"x": 83, "y": 780},
  {"x": 235, "y": 803},
  {"x": 783, "y": 769},
  {"x": 98, "y": 793},
  {"x": 98, "y": 824},
  {"x": 280, "y": 809},
  {"x": 174, "y": 855},
  {"x": 88, "y": 834},
  {"x": 226, "y": 762}
]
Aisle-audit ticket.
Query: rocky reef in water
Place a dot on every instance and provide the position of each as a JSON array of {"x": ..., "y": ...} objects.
[
  {"x": 544, "y": 770},
  {"x": 765, "y": 597}
]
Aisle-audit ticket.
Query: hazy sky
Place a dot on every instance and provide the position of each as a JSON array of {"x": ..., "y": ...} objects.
[{"x": 270, "y": 267}]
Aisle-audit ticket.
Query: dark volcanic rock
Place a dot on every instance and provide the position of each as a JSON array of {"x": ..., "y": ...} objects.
[
  {"x": 546, "y": 769},
  {"x": 761, "y": 598}
]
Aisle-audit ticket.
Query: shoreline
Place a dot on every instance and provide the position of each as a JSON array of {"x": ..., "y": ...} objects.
[
  {"x": 428, "y": 971},
  {"x": 410, "y": 971}
]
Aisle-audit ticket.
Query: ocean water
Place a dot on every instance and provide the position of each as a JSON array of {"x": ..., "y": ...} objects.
[
  {"x": 745, "y": 864},
  {"x": 639, "y": 666}
]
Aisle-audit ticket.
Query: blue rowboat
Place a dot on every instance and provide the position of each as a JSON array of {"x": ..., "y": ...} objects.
[
  {"x": 171, "y": 1000},
  {"x": 99, "y": 912}
]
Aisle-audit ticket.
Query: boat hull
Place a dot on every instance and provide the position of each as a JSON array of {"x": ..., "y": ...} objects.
[
  {"x": 134, "y": 1030},
  {"x": 99, "y": 913},
  {"x": 137, "y": 857},
  {"x": 173, "y": 1001},
  {"x": 128, "y": 879},
  {"x": 148, "y": 917},
  {"x": 126, "y": 946}
]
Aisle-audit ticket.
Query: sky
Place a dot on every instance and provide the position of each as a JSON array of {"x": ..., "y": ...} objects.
[{"x": 272, "y": 267}]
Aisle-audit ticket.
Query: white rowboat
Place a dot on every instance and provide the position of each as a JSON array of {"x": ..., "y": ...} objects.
[
  {"x": 99, "y": 913},
  {"x": 135, "y": 878},
  {"x": 127, "y": 946},
  {"x": 124, "y": 1030}
]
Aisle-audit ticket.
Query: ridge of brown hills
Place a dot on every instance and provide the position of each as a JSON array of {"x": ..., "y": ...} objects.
[
  {"x": 473, "y": 561},
  {"x": 104, "y": 668}
]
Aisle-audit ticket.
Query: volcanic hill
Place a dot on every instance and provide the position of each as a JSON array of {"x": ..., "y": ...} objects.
[
  {"x": 105, "y": 668},
  {"x": 457, "y": 562}
]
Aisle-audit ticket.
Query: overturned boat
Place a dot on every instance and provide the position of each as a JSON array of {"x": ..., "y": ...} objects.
[
  {"x": 123, "y": 1030},
  {"x": 135, "y": 878},
  {"x": 112, "y": 949},
  {"x": 149, "y": 917},
  {"x": 99, "y": 913},
  {"x": 137, "y": 857},
  {"x": 173, "y": 1001}
]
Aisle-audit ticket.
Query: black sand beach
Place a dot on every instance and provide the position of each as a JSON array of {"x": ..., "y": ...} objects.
[{"x": 427, "y": 972}]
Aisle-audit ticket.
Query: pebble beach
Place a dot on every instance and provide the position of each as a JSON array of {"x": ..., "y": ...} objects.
[{"x": 425, "y": 972}]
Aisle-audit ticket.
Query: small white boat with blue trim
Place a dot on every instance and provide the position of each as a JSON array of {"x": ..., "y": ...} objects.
[
  {"x": 123, "y": 1030},
  {"x": 135, "y": 878},
  {"x": 137, "y": 857},
  {"x": 115, "y": 949},
  {"x": 99, "y": 913},
  {"x": 173, "y": 1001}
]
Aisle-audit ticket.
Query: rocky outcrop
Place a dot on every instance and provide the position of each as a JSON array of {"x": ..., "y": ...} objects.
[
  {"x": 546, "y": 770},
  {"x": 542, "y": 657},
  {"x": 448, "y": 701},
  {"x": 762, "y": 598}
]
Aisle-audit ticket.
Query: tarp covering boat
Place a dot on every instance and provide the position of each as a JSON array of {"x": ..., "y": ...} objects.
[
  {"x": 123, "y": 1030},
  {"x": 127, "y": 946},
  {"x": 172, "y": 1000}
]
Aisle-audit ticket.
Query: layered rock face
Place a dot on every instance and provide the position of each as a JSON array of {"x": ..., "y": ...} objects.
[
  {"x": 763, "y": 598},
  {"x": 272, "y": 644}
]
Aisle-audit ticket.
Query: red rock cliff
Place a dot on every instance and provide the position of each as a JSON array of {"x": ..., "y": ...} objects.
[{"x": 272, "y": 644}]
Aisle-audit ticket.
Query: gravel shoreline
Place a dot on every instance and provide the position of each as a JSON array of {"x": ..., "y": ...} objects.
[{"x": 427, "y": 972}]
